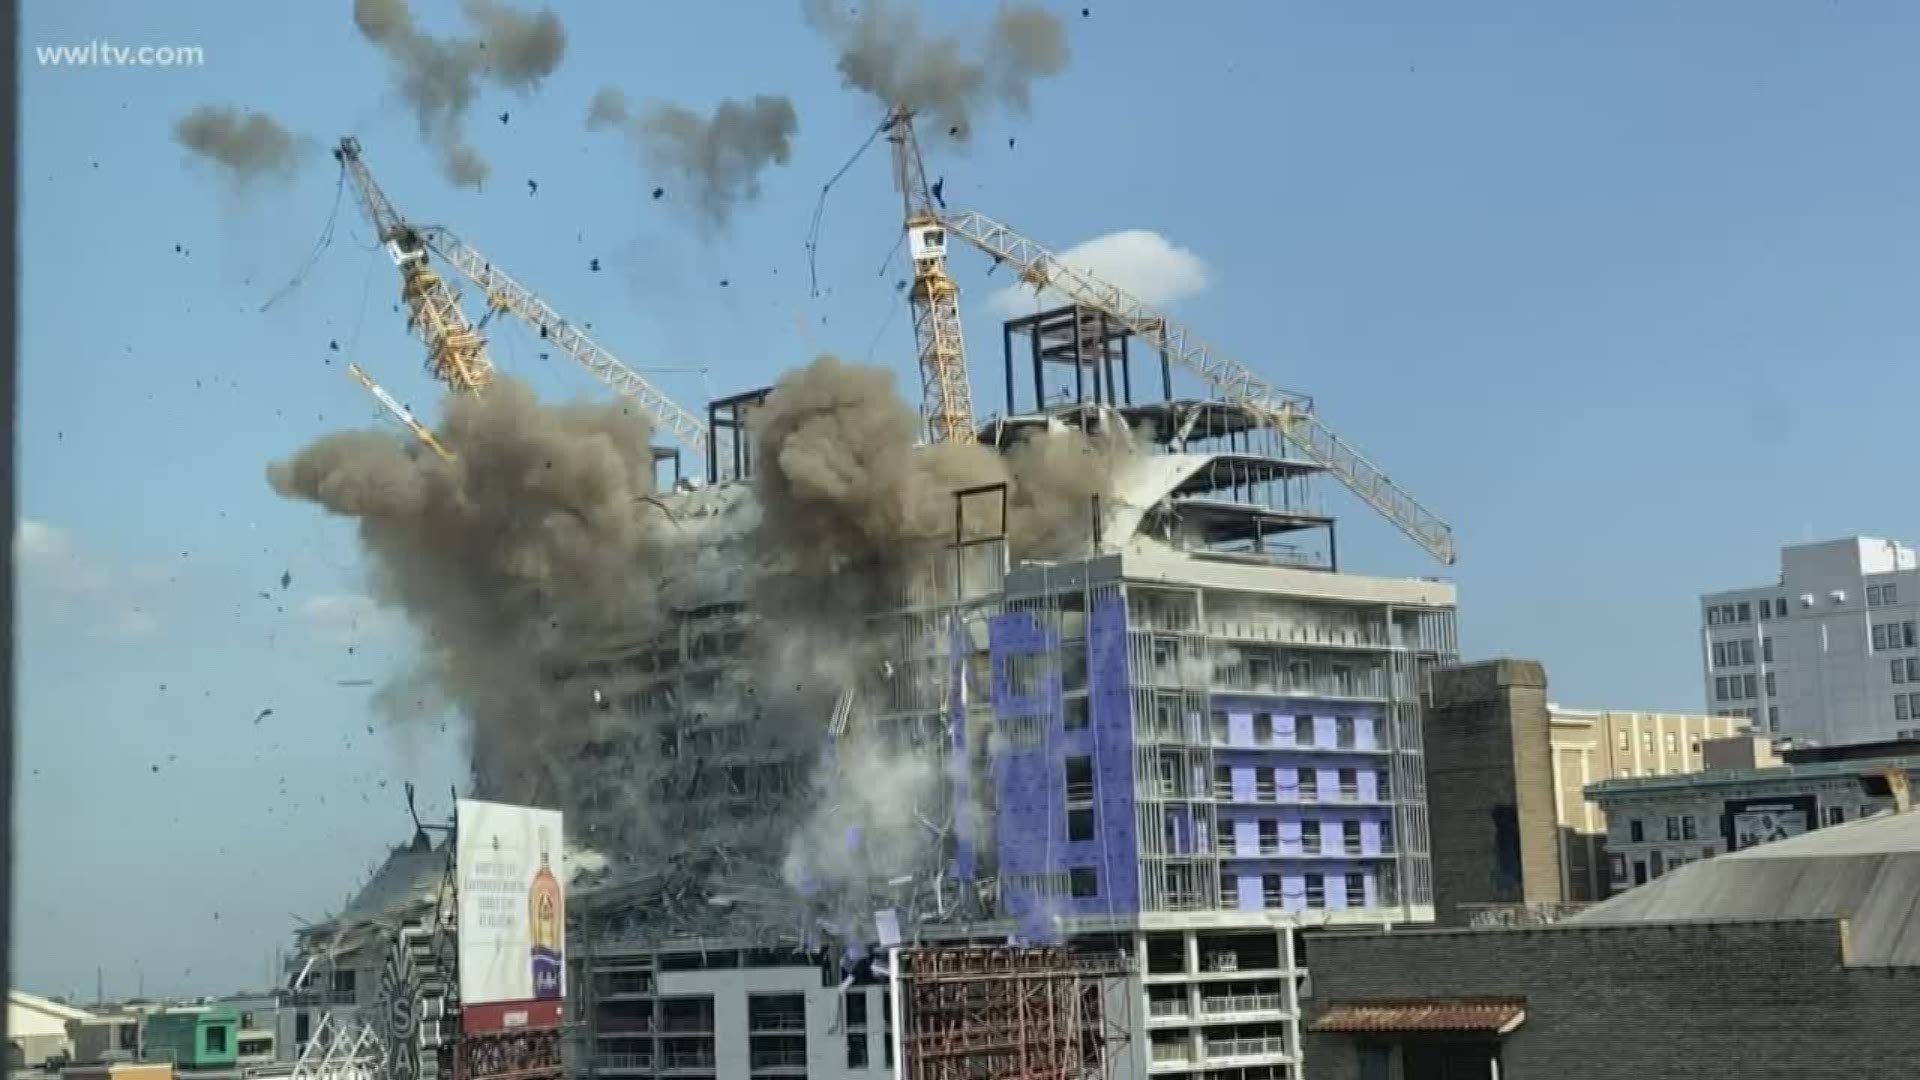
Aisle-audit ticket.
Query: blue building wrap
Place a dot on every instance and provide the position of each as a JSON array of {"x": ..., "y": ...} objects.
[{"x": 1030, "y": 780}]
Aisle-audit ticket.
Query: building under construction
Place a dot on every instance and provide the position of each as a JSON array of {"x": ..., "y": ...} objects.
[{"x": 1160, "y": 759}]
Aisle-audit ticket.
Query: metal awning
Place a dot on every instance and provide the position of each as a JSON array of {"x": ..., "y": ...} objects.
[{"x": 1492, "y": 1016}]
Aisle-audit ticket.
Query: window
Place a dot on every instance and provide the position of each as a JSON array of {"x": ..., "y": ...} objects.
[
  {"x": 1720, "y": 688},
  {"x": 302, "y": 1028},
  {"x": 1719, "y": 654},
  {"x": 1673, "y": 742},
  {"x": 1689, "y": 828},
  {"x": 1913, "y": 669},
  {"x": 1713, "y": 616},
  {"x": 856, "y": 1007},
  {"x": 1900, "y": 707},
  {"x": 1080, "y": 823},
  {"x": 1635, "y": 831},
  {"x": 1349, "y": 784},
  {"x": 1873, "y": 596},
  {"x": 1693, "y": 744},
  {"x": 1083, "y": 883},
  {"x": 1074, "y": 712},
  {"x": 1350, "y": 837},
  {"x": 1906, "y": 634},
  {"x": 1316, "y": 891},
  {"x": 1626, "y": 740},
  {"x": 216, "y": 1039},
  {"x": 1383, "y": 786},
  {"x": 1773, "y": 718},
  {"x": 1310, "y": 837},
  {"x": 1836, "y": 815},
  {"x": 1746, "y": 611},
  {"x": 1879, "y": 637},
  {"x": 1770, "y": 690},
  {"x": 1343, "y": 732},
  {"x": 1309, "y": 785},
  {"x": 857, "y": 1049},
  {"x": 1780, "y": 607},
  {"x": 1887, "y": 594},
  {"x": 1659, "y": 866},
  {"x": 1079, "y": 778},
  {"x": 1747, "y": 683},
  {"x": 1299, "y": 674},
  {"x": 1673, "y": 827},
  {"x": 1913, "y": 704},
  {"x": 1356, "y": 890},
  {"x": 343, "y": 983},
  {"x": 1269, "y": 836},
  {"x": 1746, "y": 652},
  {"x": 1646, "y": 742},
  {"x": 1766, "y": 650},
  {"x": 1303, "y": 731}
]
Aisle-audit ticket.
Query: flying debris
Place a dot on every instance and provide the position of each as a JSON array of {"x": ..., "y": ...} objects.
[
  {"x": 264, "y": 713},
  {"x": 720, "y": 156}
]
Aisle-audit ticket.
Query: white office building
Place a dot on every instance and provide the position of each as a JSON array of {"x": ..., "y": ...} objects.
[{"x": 1828, "y": 651}]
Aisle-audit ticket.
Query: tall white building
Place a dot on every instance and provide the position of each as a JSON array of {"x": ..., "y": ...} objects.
[{"x": 1829, "y": 651}]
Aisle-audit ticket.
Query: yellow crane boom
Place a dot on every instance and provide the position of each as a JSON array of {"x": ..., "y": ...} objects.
[
  {"x": 1290, "y": 413},
  {"x": 401, "y": 412}
]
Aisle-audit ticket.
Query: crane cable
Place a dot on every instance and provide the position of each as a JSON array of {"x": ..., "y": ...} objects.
[
  {"x": 820, "y": 208},
  {"x": 320, "y": 246}
]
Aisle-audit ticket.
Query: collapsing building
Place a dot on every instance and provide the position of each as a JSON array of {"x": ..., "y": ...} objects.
[{"x": 1173, "y": 743}]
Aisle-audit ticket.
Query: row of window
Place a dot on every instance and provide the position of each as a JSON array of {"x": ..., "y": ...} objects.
[
  {"x": 1894, "y": 635},
  {"x": 1679, "y": 827},
  {"x": 1728, "y": 614},
  {"x": 1906, "y": 669},
  {"x": 1881, "y": 595},
  {"x": 1307, "y": 779},
  {"x": 1741, "y": 687},
  {"x": 1646, "y": 742},
  {"x": 1740, "y": 653},
  {"x": 1346, "y": 730},
  {"x": 1273, "y": 895},
  {"x": 1906, "y": 706},
  {"x": 1310, "y": 839}
]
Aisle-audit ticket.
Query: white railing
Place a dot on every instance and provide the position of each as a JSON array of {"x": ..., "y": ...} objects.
[
  {"x": 1240, "y": 1048},
  {"x": 1241, "y": 1003}
]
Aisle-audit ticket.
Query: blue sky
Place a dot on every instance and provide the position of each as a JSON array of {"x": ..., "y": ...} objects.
[{"x": 1624, "y": 291}]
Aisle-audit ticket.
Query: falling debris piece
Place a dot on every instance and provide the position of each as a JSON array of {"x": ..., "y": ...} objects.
[
  {"x": 503, "y": 118},
  {"x": 658, "y": 192},
  {"x": 594, "y": 265},
  {"x": 939, "y": 186},
  {"x": 286, "y": 579},
  {"x": 532, "y": 187},
  {"x": 723, "y": 283},
  {"x": 1009, "y": 144},
  {"x": 354, "y": 682},
  {"x": 264, "y": 713}
]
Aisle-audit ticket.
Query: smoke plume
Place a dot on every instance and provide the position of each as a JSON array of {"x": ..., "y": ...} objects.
[
  {"x": 440, "y": 77},
  {"x": 535, "y": 537},
  {"x": 885, "y": 51},
  {"x": 247, "y": 145},
  {"x": 720, "y": 157}
]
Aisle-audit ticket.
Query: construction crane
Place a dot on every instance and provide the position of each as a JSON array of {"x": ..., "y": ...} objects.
[
  {"x": 401, "y": 413},
  {"x": 946, "y": 399},
  {"x": 456, "y": 353},
  {"x": 505, "y": 294},
  {"x": 1290, "y": 413}
]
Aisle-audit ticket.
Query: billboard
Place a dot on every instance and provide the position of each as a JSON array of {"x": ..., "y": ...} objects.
[
  {"x": 512, "y": 915},
  {"x": 1762, "y": 820}
]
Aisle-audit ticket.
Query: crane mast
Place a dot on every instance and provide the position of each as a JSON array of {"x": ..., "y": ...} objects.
[
  {"x": 505, "y": 294},
  {"x": 1290, "y": 413},
  {"x": 946, "y": 400},
  {"x": 456, "y": 353}
]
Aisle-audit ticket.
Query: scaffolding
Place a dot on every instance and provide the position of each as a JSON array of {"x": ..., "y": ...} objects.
[{"x": 1009, "y": 1013}]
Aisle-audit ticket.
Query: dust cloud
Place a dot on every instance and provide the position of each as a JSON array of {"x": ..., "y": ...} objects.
[
  {"x": 246, "y": 145},
  {"x": 440, "y": 77},
  {"x": 886, "y": 51},
  {"x": 720, "y": 156}
]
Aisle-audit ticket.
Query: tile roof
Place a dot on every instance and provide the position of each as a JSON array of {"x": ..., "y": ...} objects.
[{"x": 1492, "y": 1015}]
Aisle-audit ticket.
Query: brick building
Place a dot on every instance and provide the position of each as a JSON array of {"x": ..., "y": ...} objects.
[
  {"x": 1506, "y": 774},
  {"x": 1716, "y": 970}
]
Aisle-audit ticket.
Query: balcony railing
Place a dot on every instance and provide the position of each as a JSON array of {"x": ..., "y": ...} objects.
[
  {"x": 690, "y": 1059},
  {"x": 1163, "y": 1010},
  {"x": 1241, "y": 1003},
  {"x": 778, "y": 1058},
  {"x": 1171, "y": 1052},
  {"x": 1080, "y": 792},
  {"x": 1239, "y": 1048},
  {"x": 617, "y": 1062},
  {"x": 779, "y": 1022}
]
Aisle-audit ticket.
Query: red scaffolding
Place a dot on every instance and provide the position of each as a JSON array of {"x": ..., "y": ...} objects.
[{"x": 1009, "y": 1013}]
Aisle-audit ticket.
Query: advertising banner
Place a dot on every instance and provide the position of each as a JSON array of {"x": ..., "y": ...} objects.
[
  {"x": 512, "y": 915},
  {"x": 1748, "y": 822}
]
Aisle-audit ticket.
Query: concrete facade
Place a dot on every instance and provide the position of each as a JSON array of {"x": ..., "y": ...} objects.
[
  {"x": 1657, "y": 824},
  {"x": 1829, "y": 651},
  {"x": 1703, "y": 1000}
]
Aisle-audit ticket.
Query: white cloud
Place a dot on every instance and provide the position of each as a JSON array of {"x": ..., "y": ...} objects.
[
  {"x": 46, "y": 553},
  {"x": 347, "y": 618},
  {"x": 1139, "y": 261}
]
